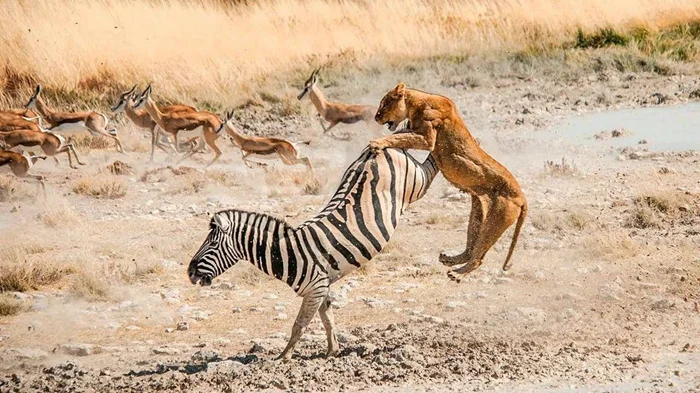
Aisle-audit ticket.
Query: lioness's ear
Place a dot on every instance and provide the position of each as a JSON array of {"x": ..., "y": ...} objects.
[{"x": 400, "y": 89}]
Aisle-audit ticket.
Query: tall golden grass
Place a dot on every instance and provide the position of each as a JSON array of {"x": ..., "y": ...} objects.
[{"x": 210, "y": 51}]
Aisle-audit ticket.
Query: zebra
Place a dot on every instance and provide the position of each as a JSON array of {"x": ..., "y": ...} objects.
[{"x": 354, "y": 226}]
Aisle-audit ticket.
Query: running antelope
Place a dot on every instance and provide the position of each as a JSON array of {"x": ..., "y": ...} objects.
[
  {"x": 26, "y": 114},
  {"x": 20, "y": 164},
  {"x": 10, "y": 122},
  {"x": 51, "y": 144},
  {"x": 142, "y": 119},
  {"x": 335, "y": 112},
  {"x": 264, "y": 148},
  {"x": 95, "y": 123},
  {"x": 202, "y": 123}
]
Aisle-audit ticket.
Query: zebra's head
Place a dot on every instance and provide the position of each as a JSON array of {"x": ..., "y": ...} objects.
[{"x": 216, "y": 253}]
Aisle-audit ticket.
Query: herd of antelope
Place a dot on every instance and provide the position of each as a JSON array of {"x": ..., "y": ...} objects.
[{"x": 174, "y": 129}]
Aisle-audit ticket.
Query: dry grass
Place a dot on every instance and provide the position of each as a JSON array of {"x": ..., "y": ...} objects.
[
  {"x": 85, "y": 142},
  {"x": 101, "y": 187},
  {"x": 232, "y": 49},
  {"x": 89, "y": 286},
  {"x": 652, "y": 210},
  {"x": 119, "y": 168},
  {"x": 10, "y": 306},
  {"x": 13, "y": 190},
  {"x": 19, "y": 275},
  {"x": 563, "y": 169},
  {"x": 610, "y": 245},
  {"x": 58, "y": 216}
]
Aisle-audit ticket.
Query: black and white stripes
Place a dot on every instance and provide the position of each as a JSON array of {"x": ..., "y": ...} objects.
[{"x": 354, "y": 226}]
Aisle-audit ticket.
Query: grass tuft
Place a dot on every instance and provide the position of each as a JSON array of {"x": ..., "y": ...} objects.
[
  {"x": 10, "y": 306},
  {"x": 101, "y": 187}
]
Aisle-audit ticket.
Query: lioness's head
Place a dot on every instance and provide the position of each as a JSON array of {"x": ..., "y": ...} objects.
[{"x": 392, "y": 109}]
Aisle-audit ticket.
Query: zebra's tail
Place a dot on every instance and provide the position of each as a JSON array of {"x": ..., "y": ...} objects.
[{"x": 516, "y": 233}]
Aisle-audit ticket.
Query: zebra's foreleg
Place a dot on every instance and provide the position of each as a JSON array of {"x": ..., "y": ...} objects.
[
  {"x": 326, "y": 315},
  {"x": 309, "y": 307}
]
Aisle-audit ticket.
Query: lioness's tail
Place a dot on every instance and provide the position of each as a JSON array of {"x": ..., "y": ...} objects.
[{"x": 516, "y": 233}]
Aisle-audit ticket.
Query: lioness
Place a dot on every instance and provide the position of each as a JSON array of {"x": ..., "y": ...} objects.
[{"x": 435, "y": 125}]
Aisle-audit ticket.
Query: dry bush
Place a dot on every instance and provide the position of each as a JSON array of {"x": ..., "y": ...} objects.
[
  {"x": 13, "y": 189},
  {"x": 563, "y": 169},
  {"x": 101, "y": 187},
  {"x": 579, "y": 220},
  {"x": 119, "y": 168},
  {"x": 313, "y": 187},
  {"x": 10, "y": 306},
  {"x": 643, "y": 217},
  {"x": 610, "y": 245},
  {"x": 450, "y": 219},
  {"x": 58, "y": 215},
  {"x": 246, "y": 274},
  {"x": 131, "y": 272},
  {"x": 89, "y": 286},
  {"x": 19, "y": 275},
  {"x": 86, "y": 142},
  {"x": 292, "y": 37},
  {"x": 654, "y": 209}
]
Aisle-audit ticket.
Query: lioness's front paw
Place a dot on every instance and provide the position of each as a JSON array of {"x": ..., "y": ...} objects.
[{"x": 376, "y": 146}]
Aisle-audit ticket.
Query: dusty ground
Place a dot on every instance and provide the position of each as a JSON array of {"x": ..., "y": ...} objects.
[{"x": 603, "y": 294}]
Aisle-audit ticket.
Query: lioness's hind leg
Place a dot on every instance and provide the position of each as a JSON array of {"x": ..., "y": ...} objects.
[
  {"x": 501, "y": 214},
  {"x": 476, "y": 217}
]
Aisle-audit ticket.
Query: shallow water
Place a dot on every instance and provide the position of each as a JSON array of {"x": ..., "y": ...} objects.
[{"x": 671, "y": 128}]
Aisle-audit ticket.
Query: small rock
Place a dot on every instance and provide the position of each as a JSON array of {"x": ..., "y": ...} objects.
[
  {"x": 237, "y": 310},
  {"x": 279, "y": 308},
  {"x": 642, "y": 142},
  {"x": 224, "y": 366},
  {"x": 256, "y": 309},
  {"x": 132, "y": 327},
  {"x": 200, "y": 315},
  {"x": 79, "y": 349},
  {"x": 182, "y": 326},
  {"x": 280, "y": 317},
  {"x": 345, "y": 338},
  {"x": 455, "y": 305},
  {"x": 435, "y": 320},
  {"x": 21, "y": 296},
  {"x": 169, "y": 330},
  {"x": 29, "y": 354},
  {"x": 205, "y": 356},
  {"x": 165, "y": 350},
  {"x": 270, "y": 296},
  {"x": 227, "y": 286}
]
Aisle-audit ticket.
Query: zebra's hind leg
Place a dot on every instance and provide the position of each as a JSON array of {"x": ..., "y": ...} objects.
[
  {"x": 309, "y": 306},
  {"x": 326, "y": 315}
]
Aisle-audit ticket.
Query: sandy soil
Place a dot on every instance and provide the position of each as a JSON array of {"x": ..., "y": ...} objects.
[{"x": 603, "y": 293}]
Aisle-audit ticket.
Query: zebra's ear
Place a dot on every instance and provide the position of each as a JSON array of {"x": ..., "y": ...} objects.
[{"x": 222, "y": 222}]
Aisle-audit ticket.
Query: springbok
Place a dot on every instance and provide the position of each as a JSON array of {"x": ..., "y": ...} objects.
[
  {"x": 142, "y": 119},
  {"x": 203, "y": 124},
  {"x": 335, "y": 112},
  {"x": 19, "y": 164},
  {"x": 95, "y": 123},
  {"x": 26, "y": 114},
  {"x": 51, "y": 144},
  {"x": 264, "y": 148},
  {"x": 10, "y": 122}
]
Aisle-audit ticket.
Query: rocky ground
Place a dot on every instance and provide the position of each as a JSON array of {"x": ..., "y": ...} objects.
[{"x": 603, "y": 294}]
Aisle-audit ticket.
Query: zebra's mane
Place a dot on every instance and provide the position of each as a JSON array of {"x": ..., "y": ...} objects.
[{"x": 281, "y": 221}]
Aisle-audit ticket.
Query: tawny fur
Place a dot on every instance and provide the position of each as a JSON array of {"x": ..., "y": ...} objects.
[
  {"x": 335, "y": 112},
  {"x": 436, "y": 126},
  {"x": 95, "y": 123},
  {"x": 50, "y": 143},
  {"x": 20, "y": 164},
  {"x": 11, "y": 122},
  {"x": 142, "y": 119},
  {"x": 173, "y": 123},
  {"x": 263, "y": 146}
]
